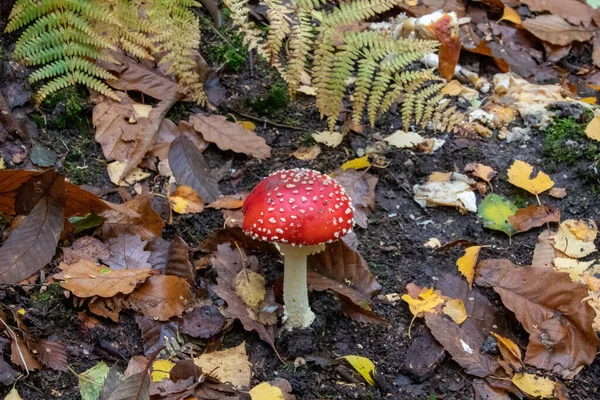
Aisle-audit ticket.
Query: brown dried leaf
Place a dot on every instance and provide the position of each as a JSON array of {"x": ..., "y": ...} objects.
[
  {"x": 87, "y": 279},
  {"x": 161, "y": 297},
  {"x": 32, "y": 245},
  {"x": 135, "y": 387},
  {"x": 559, "y": 193},
  {"x": 361, "y": 314},
  {"x": 21, "y": 356},
  {"x": 556, "y": 30},
  {"x": 169, "y": 390},
  {"x": 461, "y": 346},
  {"x": 171, "y": 258},
  {"x": 343, "y": 270},
  {"x": 87, "y": 248},
  {"x": 235, "y": 235},
  {"x": 481, "y": 171},
  {"x": 203, "y": 322},
  {"x": 81, "y": 202},
  {"x": 52, "y": 353},
  {"x": 185, "y": 200},
  {"x": 230, "y": 136},
  {"x": 360, "y": 186},
  {"x": 229, "y": 202},
  {"x": 148, "y": 224},
  {"x": 544, "y": 252},
  {"x": 127, "y": 252},
  {"x": 190, "y": 169},
  {"x": 156, "y": 334},
  {"x": 229, "y": 262},
  {"x": 533, "y": 216},
  {"x": 10, "y": 182},
  {"x": 484, "y": 391},
  {"x": 550, "y": 308},
  {"x": 107, "y": 307},
  {"x": 572, "y": 10}
]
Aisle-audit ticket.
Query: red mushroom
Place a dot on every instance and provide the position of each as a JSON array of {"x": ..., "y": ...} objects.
[{"x": 299, "y": 210}]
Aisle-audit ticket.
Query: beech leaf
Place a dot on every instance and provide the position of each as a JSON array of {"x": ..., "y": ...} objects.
[
  {"x": 557, "y": 31},
  {"x": 161, "y": 297},
  {"x": 52, "y": 353},
  {"x": 146, "y": 222},
  {"x": 127, "y": 252},
  {"x": 157, "y": 334}
]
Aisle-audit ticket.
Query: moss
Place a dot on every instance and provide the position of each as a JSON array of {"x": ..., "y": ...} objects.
[
  {"x": 272, "y": 102},
  {"x": 520, "y": 201},
  {"x": 67, "y": 109},
  {"x": 178, "y": 112},
  {"x": 52, "y": 294},
  {"x": 566, "y": 141},
  {"x": 227, "y": 47},
  {"x": 79, "y": 166}
]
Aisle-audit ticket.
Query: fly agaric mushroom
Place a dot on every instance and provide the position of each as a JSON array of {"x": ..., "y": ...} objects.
[{"x": 300, "y": 210}]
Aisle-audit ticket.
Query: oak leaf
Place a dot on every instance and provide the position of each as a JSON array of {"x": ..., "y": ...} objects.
[{"x": 519, "y": 174}]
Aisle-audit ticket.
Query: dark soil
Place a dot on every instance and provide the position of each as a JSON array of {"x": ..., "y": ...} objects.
[{"x": 392, "y": 245}]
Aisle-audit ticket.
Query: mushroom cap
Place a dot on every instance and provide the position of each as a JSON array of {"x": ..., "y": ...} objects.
[{"x": 300, "y": 207}]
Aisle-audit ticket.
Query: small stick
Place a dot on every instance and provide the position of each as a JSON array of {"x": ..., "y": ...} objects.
[{"x": 266, "y": 121}]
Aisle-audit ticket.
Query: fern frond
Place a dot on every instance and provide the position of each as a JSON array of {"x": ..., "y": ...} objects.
[
  {"x": 357, "y": 10},
  {"x": 279, "y": 28},
  {"x": 300, "y": 45},
  {"x": 68, "y": 65},
  {"x": 252, "y": 36}
]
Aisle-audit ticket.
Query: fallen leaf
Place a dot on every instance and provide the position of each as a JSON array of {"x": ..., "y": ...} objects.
[
  {"x": 250, "y": 287},
  {"x": 481, "y": 171},
  {"x": 230, "y": 365},
  {"x": 519, "y": 175},
  {"x": 360, "y": 187},
  {"x": 168, "y": 132},
  {"x": 228, "y": 202},
  {"x": 169, "y": 389},
  {"x": 551, "y": 310},
  {"x": 574, "y": 268},
  {"x": 557, "y": 31},
  {"x": 437, "y": 176},
  {"x": 533, "y": 216},
  {"x": 404, "y": 140},
  {"x": 343, "y": 270},
  {"x": 147, "y": 223},
  {"x": 361, "y": 314},
  {"x": 466, "y": 264},
  {"x": 576, "y": 238},
  {"x": 161, "y": 297},
  {"x": 495, "y": 211},
  {"x": 82, "y": 224},
  {"x": 572, "y": 10},
  {"x": 461, "y": 346},
  {"x": 544, "y": 252},
  {"x": 7, "y": 374},
  {"x": 157, "y": 334},
  {"x": 433, "y": 243},
  {"x": 308, "y": 90},
  {"x": 363, "y": 366},
  {"x": 52, "y": 353},
  {"x": 135, "y": 387},
  {"x": 266, "y": 391},
  {"x": 533, "y": 385},
  {"x": 88, "y": 248},
  {"x": 92, "y": 380},
  {"x": 115, "y": 170},
  {"x": 454, "y": 194},
  {"x": 33, "y": 243},
  {"x": 203, "y": 322},
  {"x": 230, "y": 136},
  {"x": 511, "y": 15},
  {"x": 160, "y": 370},
  {"x": 185, "y": 200},
  {"x": 248, "y": 125},
  {"x": 559, "y": 193},
  {"x": 190, "y": 169},
  {"x": 21, "y": 355},
  {"x": 171, "y": 258},
  {"x": 331, "y": 139},
  {"x": 87, "y": 279},
  {"x": 13, "y": 395},
  {"x": 307, "y": 153},
  {"x": 511, "y": 353},
  {"x": 593, "y": 129},
  {"x": 10, "y": 182},
  {"x": 357, "y": 163},
  {"x": 426, "y": 302},
  {"x": 127, "y": 252},
  {"x": 455, "y": 309}
]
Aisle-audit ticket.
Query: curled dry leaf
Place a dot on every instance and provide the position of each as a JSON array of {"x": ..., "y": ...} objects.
[
  {"x": 307, "y": 153},
  {"x": 146, "y": 222},
  {"x": 229, "y": 202},
  {"x": 87, "y": 279},
  {"x": 454, "y": 194},
  {"x": 230, "y": 365},
  {"x": 157, "y": 334},
  {"x": 550, "y": 308},
  {"x": 481, "y": 171},
  {"x": 171, "y": 258},
  {"x": 511, "y": 353},
  {"x": 161, "y": 297},
  {"x": 185, "y": 200},
  {"x": 533, "y": 216},
  {"x": 559, "y": 193},
  {"x": 230, "y": 136}
]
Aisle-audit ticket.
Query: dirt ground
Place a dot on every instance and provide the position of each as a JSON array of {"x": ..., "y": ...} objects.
[{"x": 392, "y": 245}]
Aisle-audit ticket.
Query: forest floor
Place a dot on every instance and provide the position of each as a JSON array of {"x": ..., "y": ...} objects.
[{"x": 393, "y": 243}]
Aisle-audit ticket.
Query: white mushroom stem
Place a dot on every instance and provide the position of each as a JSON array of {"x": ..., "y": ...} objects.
[{"x": 295, "y": 292}]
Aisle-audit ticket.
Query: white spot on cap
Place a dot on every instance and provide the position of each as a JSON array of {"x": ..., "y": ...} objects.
[
  {"x": 272, "y": 220},
  {"x": 303, "y": 199},
  {"x": 282, "y": 220},
  {"x": 280, "y": 231},
  {"x": 348, "y": 211}
]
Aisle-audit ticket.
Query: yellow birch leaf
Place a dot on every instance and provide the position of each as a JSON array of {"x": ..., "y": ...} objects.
[
  {"x": 511, "y": 15},
  {"x": 266, "y": 391},
  {"x": 519, "y": 174},
  {"x": 426, "y": 303},
  {"x": 574, "y": 268},
  {"x": 247, "y": 125},
  {"x": 185, "y": 200},
  {"x": 576, "y": 238},
  {"x": 509, "y": 350},
  {"x": 161, "y": 369},
  {"x": 466, "y": 264},
  {"x": 593, "y": 129},
  {"x": 533, "y": 385},
  {"x": 455, "y": 309},
  {"x": 13, "y": 395},
  {"x": 363, "y": 366},
  {"x": 357, "y": 163},
  {"x": 588, "y": 100}
]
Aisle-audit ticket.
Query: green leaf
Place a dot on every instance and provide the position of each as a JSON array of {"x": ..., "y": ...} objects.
[
  {"x": 495, "y": 210},
  {"x": 92, "y": 380},
  {"x": 84, "y": 223},
  {"x": 363, "y": 366}
]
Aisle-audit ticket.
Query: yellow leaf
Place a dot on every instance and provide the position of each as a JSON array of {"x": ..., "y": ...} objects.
[
  {"x": 229, "y": 365},
  {"x": 331, "y": 139},
  {"x": 21, "y": 311},
  {"x": 250, "y": 286},
  {"x": 533, "y": 385},
  {"x": 593, "y": 129},
  {"x": 576, "y": 238},
  {"x": 519, "y": 175},
  {"x": 307, "y": 90},
  {"x": 440, "y": 177},
  {"x": 115, "y": 170},
  {"x": 509, "y": 350},
  {"x": 363, "y": 366},
  {"x": 185, "y": 200},
  {"x": 574, "y": 268},
  {"x": 13, "y": 395},
  {"x": 466, "y": 264},
  {"x": 404, "y": 140},
  {"x": 426, "y": 303},
  {"x": 307, "y": 153},
  {"x": 589, "y": 100},
  {"x": 357, "y": 163},
  {"x": 455, "y": 309},
  {"x": 247, "y": 125},
  {"x": 2, "y": 165},
  {"x": 266, "y": 391},
  {"x": 511, "y": 15},
  {"x": 161, "y": 370}
]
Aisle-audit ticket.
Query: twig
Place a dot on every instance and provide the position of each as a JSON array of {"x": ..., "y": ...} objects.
[{"x": 266, "y": 121}]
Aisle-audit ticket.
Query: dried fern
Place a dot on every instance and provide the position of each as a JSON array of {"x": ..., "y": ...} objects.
[{"x": 376, "y": 63}]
